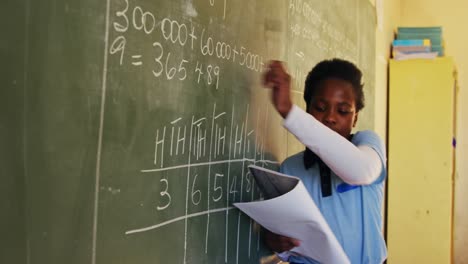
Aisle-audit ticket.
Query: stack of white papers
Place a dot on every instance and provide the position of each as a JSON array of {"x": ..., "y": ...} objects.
[{"x": 288, "y": 210}]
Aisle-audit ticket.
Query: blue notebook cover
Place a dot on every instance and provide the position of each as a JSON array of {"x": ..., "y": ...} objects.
[{"x": 412, "y": 42}]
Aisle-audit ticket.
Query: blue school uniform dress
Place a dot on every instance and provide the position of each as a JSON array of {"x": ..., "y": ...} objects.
[{"x": 354, "y": 213}]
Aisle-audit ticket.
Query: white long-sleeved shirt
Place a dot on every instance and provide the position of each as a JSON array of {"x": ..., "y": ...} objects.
[{"x": 356, "y": 165}]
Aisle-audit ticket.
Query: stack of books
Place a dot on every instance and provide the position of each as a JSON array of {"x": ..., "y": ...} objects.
[{"x": 418, "y": 42}]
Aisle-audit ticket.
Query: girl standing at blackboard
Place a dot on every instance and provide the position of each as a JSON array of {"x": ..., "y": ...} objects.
[{"x": 344, "y": 173}]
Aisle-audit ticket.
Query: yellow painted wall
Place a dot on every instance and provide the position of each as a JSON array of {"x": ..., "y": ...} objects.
[
  {"x": 389, "y": 16},
  {"x": 452, "y": 16},
  {"x": 384, "y": 37}
]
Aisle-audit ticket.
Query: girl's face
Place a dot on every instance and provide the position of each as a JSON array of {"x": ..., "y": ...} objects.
[{"x": 334, "y": 105}]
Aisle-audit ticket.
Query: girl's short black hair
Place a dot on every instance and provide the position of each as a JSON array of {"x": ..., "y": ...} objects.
[{"x": 339, "y": 69}]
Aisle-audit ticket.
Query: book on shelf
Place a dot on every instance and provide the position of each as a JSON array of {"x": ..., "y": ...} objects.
[{"x": 411, "y": 43}]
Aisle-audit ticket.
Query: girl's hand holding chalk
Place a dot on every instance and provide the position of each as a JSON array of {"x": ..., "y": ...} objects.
[{"x": 277, "y": 79}]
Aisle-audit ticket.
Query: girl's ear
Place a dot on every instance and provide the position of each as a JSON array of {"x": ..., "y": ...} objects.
[{"x": 355, "y": 119}]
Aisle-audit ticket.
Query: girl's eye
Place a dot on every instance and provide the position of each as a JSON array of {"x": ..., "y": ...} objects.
[
  {"x": 344, "y": 111},
  {"x": 319, "y": 108}
]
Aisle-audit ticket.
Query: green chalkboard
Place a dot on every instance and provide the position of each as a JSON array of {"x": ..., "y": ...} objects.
[
  {"x": 12, "y": 196},
  {"x": 134, "y": 121}
]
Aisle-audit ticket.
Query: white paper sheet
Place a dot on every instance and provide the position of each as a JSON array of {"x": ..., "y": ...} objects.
[{"x": 294, "y": 214}]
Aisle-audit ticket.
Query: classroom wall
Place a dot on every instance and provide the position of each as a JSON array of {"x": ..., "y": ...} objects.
[
  {"x": 451, "y": 15},
  {"x": 388, "y": 13}
]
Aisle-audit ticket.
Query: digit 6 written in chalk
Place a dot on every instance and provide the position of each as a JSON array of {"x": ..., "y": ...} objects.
[{"x": 196, "y": 195}]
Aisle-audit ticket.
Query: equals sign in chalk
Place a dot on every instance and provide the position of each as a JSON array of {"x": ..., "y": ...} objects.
[{"x": 137, "y": 60}]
